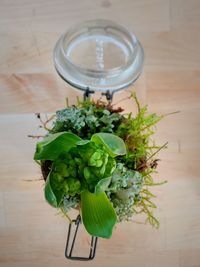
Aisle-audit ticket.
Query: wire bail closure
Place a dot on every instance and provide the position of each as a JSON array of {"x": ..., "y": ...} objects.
[{"x": 107, "y": 94}]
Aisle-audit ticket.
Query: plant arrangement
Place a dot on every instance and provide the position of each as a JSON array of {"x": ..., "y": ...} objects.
[{"x": 101, "y": 161}]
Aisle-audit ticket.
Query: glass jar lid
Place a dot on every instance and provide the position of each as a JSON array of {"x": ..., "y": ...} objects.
[{"x": 99, "y": 55}]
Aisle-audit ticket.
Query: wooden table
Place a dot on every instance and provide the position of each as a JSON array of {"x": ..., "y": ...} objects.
[{"x": 30, "y": 233}]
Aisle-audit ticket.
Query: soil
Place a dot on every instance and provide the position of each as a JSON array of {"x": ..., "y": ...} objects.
[{"x": 45, "y": 168}]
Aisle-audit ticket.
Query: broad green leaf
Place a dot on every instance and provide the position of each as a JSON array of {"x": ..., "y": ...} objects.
[
  {"x": 52, "y": 196},
  {"x": 54, "y": 145},
  {"x": 114, "y": 145},
  {"x": 98, "y": 214},
  {"x": 102, "y": 185}
]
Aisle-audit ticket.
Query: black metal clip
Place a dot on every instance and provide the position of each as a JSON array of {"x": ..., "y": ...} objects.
[
  {"x": 108, "y": 95},
  {"x": 87, "y": 93},
  {"x": 69, "y": 250}
]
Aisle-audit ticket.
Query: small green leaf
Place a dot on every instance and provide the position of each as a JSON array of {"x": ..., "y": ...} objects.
[
  {"x": 54, "y": 145},
  {"x": 52, "y": 196},
  {"x": 102, "y": 185},
  {"x": 83, "y": 142},
  {"x": 110, "y": 167},
  {"x": 114, "y": 145},
  {"x": 98, "y": 214}
]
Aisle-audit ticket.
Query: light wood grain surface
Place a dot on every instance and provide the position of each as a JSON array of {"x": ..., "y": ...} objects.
[{"x": 31, "y": 234}]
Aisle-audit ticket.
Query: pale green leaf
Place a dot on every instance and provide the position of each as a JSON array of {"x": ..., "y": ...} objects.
[
  {"x": 113, "y": 144},
  {"x": 98, "y": 214},
  {"x": 54, "y": 145},
  {"x": 83, "y": 142},
  {"x": 102, "y": 185}
]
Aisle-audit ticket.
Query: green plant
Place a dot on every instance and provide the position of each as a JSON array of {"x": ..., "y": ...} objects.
[
  {"x": 82, "y": 167},
  {"x": 98, "y": 159}
]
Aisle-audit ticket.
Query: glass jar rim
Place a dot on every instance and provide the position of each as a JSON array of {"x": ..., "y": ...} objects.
[
  {"x": 89, "y": 71},
  {"x": 112, "y": 79}
]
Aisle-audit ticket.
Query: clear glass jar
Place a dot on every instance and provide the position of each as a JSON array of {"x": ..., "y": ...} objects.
[{"x": 99, "y": 55}]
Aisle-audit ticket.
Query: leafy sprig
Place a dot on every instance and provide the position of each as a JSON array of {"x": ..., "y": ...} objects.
[
  {"x": 137, "y": 132},
  {"x": 86, "y": 119}
]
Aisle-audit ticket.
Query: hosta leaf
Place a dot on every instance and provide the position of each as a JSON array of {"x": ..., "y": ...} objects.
[
  {"x": 98, "y": 214},
  {"x": 114, "y": 145},
  {"x": 52, "y": 196},
  {"x": 54, "y": 145}
]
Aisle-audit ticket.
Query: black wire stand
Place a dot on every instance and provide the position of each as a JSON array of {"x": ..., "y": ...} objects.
[{"x": 71, "y": 239}]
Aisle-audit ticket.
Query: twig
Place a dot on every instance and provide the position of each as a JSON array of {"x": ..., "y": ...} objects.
[
  {"x": 163, "y": 146},
  {"x": 44, "y": 123},
  {"x": 121, "y": 100},
  {"x": 66, "y": 215},
  {"x": 35, "y": 136},
  {"x": 133, "y": 94},
  {"x": 171, "y": 113},
  {"x": 32, "y": 180},
  {"x": 137, "y": 222},
  {"x": 154, "y": 184}
]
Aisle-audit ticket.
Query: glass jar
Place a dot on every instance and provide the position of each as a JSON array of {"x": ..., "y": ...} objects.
[{"x": 99, "y": 55}]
